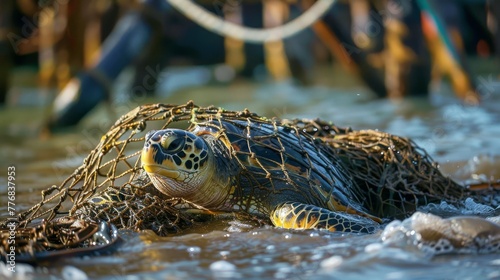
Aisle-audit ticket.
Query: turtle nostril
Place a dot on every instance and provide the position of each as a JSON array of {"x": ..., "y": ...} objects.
[{"x": 149, "y": 134}]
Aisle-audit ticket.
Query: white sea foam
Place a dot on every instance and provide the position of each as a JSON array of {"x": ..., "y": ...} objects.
[
  {"x": 73, "y": 273},
  {"x": 434, "y": 235},
  {"x": 469, "y": 207}
]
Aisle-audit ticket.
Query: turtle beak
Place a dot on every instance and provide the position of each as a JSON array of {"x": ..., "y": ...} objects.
[{"x": 155, "y": 162}]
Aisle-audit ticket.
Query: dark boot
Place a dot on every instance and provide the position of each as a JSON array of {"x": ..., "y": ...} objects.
[{"x": 129, "y": 40}]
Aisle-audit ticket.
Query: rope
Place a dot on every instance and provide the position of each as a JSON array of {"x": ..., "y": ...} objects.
[{"x": 252, "y": 35}]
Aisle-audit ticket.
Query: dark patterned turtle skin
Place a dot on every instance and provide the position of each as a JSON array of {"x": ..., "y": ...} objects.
[{"x": 258, "y": 168}]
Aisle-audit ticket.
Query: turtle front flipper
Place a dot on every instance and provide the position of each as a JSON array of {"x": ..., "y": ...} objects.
[{"x": 297, "y": 215}]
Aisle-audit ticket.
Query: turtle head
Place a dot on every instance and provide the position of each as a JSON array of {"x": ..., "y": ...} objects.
[
  {"x": 176, "y": 157},
  {"x": 180, "y": 164}
]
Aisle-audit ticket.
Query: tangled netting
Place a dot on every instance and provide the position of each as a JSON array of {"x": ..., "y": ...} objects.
[{"x": 391, "y": 174}]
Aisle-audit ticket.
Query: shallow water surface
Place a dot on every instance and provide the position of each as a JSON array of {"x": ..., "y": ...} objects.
[{"x": 464, "y": 140}]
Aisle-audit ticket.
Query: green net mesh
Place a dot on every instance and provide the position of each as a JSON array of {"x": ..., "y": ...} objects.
[{"x": 393, "y": 176}]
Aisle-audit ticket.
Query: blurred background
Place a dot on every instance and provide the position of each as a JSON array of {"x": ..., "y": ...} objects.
[{"x": 390, "y": 48}]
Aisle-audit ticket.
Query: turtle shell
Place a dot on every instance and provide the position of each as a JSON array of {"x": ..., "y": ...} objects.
[{"x": 279, "y": 164}]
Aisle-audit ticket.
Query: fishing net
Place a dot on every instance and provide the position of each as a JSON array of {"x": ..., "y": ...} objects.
[
  {"x": 393, "y": 175},
  {"x": 111, "y": 186}
]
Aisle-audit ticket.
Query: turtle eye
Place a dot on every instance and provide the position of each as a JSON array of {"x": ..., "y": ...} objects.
[{"x": 173, "y": 145}]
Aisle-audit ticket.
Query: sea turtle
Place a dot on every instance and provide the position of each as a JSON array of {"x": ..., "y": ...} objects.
[
  {"x": 269, "y": 169},
  {"x": 260, "y": 169}
]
